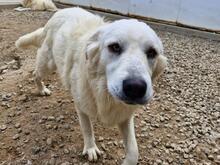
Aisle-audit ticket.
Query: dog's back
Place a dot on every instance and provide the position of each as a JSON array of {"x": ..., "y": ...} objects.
[{"x": 66, "y": 27}]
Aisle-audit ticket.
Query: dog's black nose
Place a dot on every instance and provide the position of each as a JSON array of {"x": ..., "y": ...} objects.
[{"x": 134, "y": 88}]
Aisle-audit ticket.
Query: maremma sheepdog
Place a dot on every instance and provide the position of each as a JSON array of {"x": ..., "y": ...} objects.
[{"x": 108, "y": 67}]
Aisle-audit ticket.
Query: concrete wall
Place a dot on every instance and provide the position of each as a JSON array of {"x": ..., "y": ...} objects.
[
  {"x": 196, "y": 13},
  {"x": 10, "y": 2}
]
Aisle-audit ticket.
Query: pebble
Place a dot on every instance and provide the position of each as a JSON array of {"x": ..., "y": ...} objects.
[
  {"x": 48, "y": 126},
  {"x": 52, "y": 161},
  {"x": 100, "y": 139},
  {"x": 26, "y": 132},
  {"x": 211, "y": 157},
  {"x": 86, "y": 163},
  {"x": 36, "y": 150},
  {"x": 51, "y": 118},
  {"x": 3, "y": 127},
  {"x": 66, "y": 151},
  {"x": 49, "y": 141},
  {"x": 16, "y": 137},
  {"x": 65, "y": 163},
  {"x": 17, "y": 125}
]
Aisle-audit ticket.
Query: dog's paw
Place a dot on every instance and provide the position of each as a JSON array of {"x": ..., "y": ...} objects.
[
  {"x": 45, "y": 92},
  {"x": 92, "y": 153}
]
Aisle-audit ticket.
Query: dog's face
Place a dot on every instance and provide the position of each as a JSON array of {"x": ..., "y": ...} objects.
[{"x": 130, "y": 51}]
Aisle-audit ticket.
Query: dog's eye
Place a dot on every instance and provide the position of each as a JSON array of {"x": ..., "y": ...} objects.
[
  {"x": 115, "y": 48},
  {"x": 151, "y": 53}
]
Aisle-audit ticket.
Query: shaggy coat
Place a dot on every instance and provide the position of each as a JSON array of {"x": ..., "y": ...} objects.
[{"x": 85, "y": 50}]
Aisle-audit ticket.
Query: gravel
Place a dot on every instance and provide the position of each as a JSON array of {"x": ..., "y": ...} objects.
[{"x": 180, "y": 126}]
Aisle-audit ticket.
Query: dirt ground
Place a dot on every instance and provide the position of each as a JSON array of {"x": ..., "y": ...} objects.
[{"x": 180, "y": 126}]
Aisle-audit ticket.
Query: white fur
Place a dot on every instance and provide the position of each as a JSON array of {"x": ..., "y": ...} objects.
[
  {"x": 75, "y": 42},
  {"x": 39, "y": 5}
]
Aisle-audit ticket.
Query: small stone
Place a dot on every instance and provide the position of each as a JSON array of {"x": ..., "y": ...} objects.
[
  {"x": 185, "y": 156},
  {"x": 3, "y": 68},
  {"x": 16, "y": 136},
  {"x": 49, "y": 141},
  {"x": 55, "y": 127},
  {"x": 17, "y": 125},
  {"x": 1, "y": 78},
  {"x": 100, "y": 139},
  {"x": 23, "y": 98},
  {"x": 48, "y": 126},
  {"x": 19, "y": 130},
  {"x": 115, "y": 143},
  {"x": 66, "y": 126},
  {"x": 52, "y": 161},
  {"x": 44, "y": 118},
  {"x": 66, "y": 151},
  {"x": 65, "y": 163},
  {"x": 162, "y": 119},
  {"x": 51, "y": 118},
  {"x": 159, "y": 162},
  {"x": 103, "y": 147},
  {"x": 3, "y": 127},
  {"x": 36, "y": 150},
  {"x": 41, "y": 121},
  {"x": 26, "y": 132},
  {"x": 211, "y": 157},
  {"x": 61, "y": 145}
]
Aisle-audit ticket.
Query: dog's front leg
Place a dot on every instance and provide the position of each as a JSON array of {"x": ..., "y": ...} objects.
[
  {"x": 128, "y": 133},
  {"x": 90, "y": 147}
]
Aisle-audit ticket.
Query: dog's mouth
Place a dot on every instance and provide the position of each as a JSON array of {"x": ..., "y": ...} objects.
[
  {"x": 142, "y": 101},
  {"x": 128, "y": 101}
]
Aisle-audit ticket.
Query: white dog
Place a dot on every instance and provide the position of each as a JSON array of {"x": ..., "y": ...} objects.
[
  {"x": 37, "y": 5},
  {"x": 108, "y": 67}
]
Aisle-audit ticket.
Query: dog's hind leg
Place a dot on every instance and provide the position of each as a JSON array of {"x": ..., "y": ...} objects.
[{"x": 44, "y": 64}]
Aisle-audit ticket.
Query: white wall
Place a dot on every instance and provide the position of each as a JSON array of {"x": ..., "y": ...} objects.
[{"x": 196, "y": 13}]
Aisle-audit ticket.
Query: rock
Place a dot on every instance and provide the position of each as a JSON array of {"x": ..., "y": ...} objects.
[
  {"x": 6, "y": 97},
  {"x": 66, "y": 151},
  {"x": 103, "y": 147},
  {"x": 3, "y": 127},
  {"x": 65, "y": 163},
  {"x": 100, "y": 139},
  {"x": 17, "y": 125},
  {"x": 66, "y": 126},
  {"x": 51, "y": 118},
  {"x": 86, "y": 163},
  {"x": 44, "y": 118},
  {"x": 159, "y": 162},
  {"x": 41, "y": 121},
  {"x": 36, "y": 150},
  {"x": 26, "y": 132},
  {"x": 52, "y": 161},
  {"x": 49, "y": 141},
  {"x": 19, "y": 130},
  {"x": 16, "y": 137},
  {"x": 23, "y": 98},
  {"x": 48, "y": 126},
  {"x": 3, "y": 68},
  {"x": 211, "y": 157}
]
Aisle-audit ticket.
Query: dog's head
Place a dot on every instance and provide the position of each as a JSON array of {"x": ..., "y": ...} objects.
[{"x": 132, "y": 57}]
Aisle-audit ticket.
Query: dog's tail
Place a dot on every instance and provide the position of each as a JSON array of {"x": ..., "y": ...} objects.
[{"x": 31, "y": 39}]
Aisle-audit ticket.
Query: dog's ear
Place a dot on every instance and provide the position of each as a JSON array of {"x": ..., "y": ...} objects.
[
  {"x": 93, "y": 45},
  {"x": 160, "y": 65}
]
